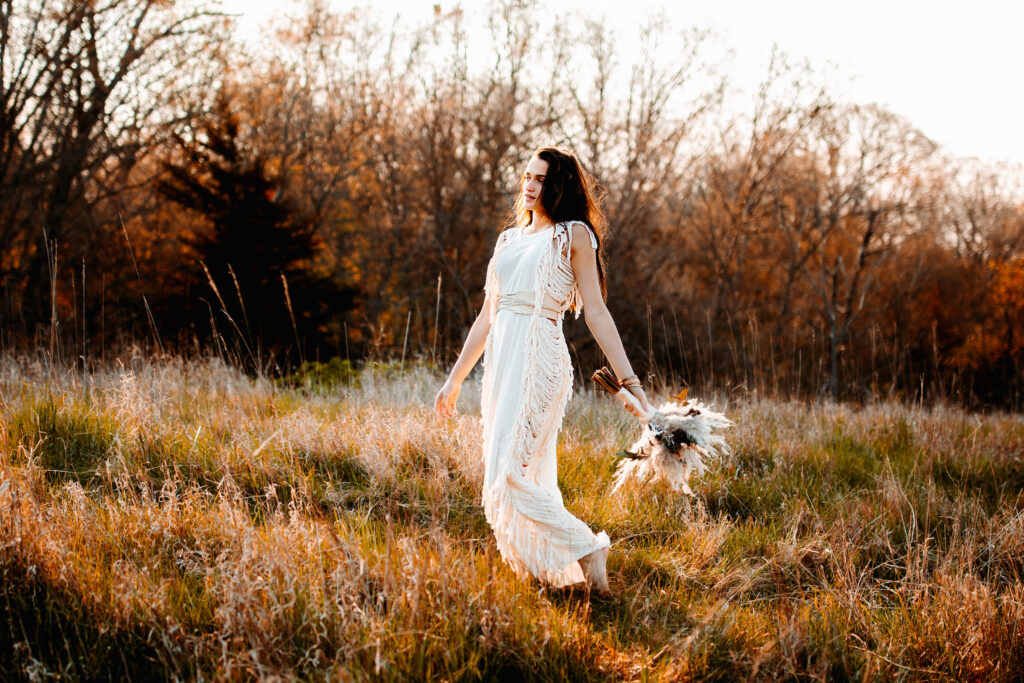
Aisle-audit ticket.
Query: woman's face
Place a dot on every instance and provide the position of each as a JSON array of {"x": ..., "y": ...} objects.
[{"x": 533, "y": 184}]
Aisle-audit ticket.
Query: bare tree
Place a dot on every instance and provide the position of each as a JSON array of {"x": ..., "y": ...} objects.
[
  {"x": 635, "y": 126},
  {"x": 870, "y": 159},
  {"x": 983, "y": 212},
  {"x": 87, "y": 89}
]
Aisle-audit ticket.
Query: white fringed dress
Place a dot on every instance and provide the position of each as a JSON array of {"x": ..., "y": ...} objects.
[{"x": 527, "y": 383}]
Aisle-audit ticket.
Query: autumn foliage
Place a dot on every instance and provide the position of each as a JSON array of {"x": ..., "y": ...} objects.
[{"x": 336, "y": 190}]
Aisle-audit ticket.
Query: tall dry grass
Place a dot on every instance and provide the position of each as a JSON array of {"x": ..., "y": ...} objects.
[{"x": 172, "y": 519}]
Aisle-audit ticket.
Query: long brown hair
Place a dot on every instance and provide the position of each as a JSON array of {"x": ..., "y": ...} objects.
[{"x": 568, "y": 193}]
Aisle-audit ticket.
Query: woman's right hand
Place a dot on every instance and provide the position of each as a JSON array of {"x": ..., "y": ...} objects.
[{"x": 444, "y": 403}]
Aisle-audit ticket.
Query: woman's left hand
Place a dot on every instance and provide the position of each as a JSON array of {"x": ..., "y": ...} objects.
[{"x": 638, "y": 392}]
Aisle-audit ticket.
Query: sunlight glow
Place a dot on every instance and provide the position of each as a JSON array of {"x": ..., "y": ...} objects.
[{"x": 955, "y": 73}]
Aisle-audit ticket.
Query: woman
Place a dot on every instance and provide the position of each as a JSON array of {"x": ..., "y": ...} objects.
[{"x": 548, "y": 260}]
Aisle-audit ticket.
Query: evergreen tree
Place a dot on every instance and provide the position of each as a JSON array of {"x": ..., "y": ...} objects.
[{"x": 255, "y": 268}]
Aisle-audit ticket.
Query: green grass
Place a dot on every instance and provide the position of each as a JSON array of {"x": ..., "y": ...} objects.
[{"x": 328, "y": 527}]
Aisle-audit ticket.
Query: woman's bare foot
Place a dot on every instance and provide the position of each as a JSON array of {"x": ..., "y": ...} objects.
[{"x": 593, "y": 566}]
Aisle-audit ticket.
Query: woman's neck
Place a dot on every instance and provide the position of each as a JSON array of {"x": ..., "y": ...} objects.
[{"x": 539, "y": 221}]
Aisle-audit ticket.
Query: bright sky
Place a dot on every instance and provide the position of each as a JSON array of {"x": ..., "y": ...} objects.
[{"x": 954, "y": 68}]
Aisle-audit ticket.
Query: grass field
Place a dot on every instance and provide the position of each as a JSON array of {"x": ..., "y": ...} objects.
[{"x": 164, "y": 519}]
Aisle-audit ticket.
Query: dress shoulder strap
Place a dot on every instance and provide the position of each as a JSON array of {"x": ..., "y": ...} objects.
[{"x": 566, "y": 230}]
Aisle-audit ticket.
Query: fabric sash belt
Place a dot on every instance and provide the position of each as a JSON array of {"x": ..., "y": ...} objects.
[{"x": 523, "y": 304}]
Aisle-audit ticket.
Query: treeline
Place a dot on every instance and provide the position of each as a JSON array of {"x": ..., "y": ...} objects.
[{"x": 336, "y": 190}]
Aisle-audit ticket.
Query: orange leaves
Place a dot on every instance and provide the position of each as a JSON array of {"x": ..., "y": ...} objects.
[
  {"x": 1000, "y": 337},
  {"x": 1008, "y": 288},
  {"x": 681, "y": 396}
]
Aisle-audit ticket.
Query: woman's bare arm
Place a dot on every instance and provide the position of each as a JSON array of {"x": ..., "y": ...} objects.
[
  {"x": 599, "y": 320},
  {"x": 472, "y": 349}
]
